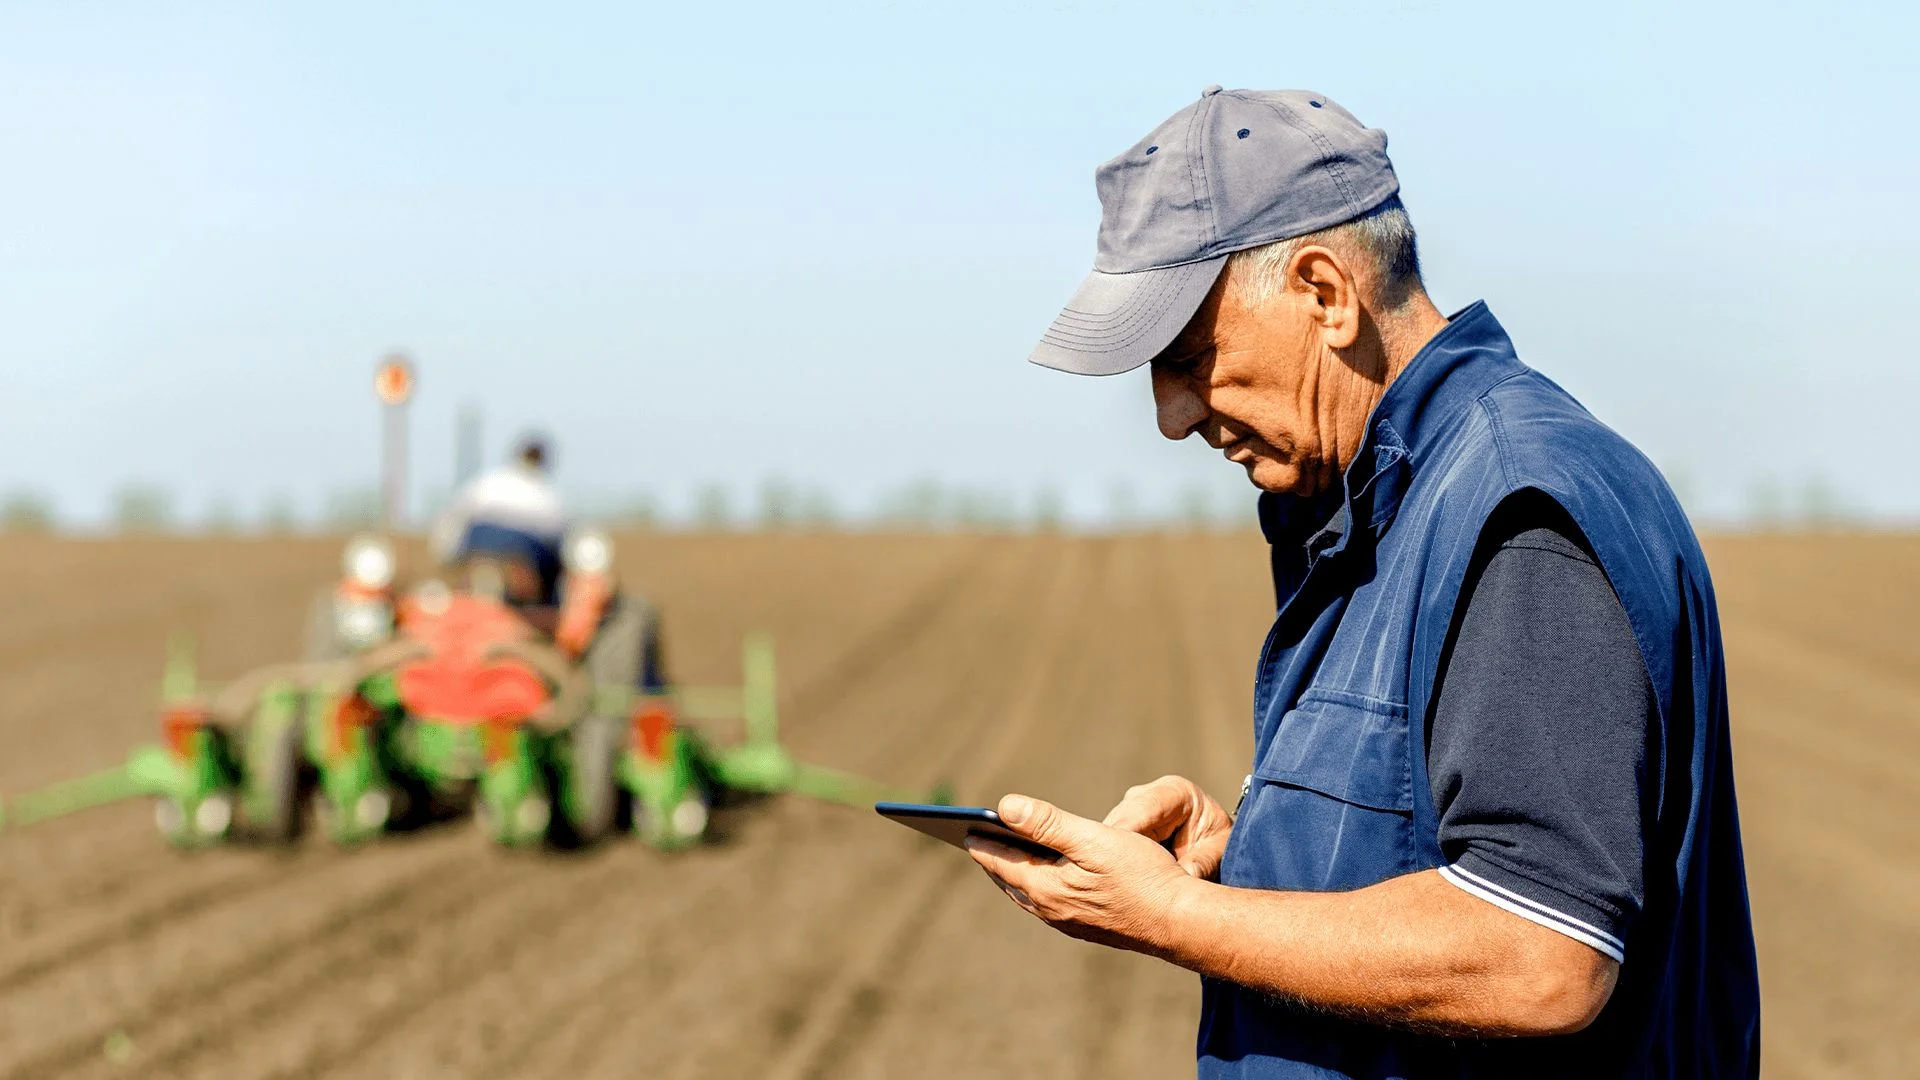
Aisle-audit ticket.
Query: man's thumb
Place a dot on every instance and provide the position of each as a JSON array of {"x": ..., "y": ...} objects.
[{"x": 1041, "y": 821}]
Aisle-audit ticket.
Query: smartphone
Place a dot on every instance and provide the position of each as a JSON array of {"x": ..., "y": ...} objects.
[{"x": 954, "y": 824}]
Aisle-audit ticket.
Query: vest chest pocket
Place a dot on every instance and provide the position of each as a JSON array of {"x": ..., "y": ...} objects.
[
  {"x": 1346, "y": 746},
  {"x": 1332, "y": 800}
]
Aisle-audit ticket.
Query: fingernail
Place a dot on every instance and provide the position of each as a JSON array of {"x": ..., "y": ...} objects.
[{"x": 1014, "y": 809}]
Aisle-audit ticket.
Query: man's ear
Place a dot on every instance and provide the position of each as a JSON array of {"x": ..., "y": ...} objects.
[{"x": 1334, "y": 292}]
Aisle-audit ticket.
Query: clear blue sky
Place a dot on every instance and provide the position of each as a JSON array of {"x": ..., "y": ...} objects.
[{"x": 731, "y": 240}]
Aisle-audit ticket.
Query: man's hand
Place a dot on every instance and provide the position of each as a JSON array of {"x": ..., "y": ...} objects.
[
  {"x": 1414, "y": 950},
  {"x": 1111, "y": 886},
  {"x": 1174, "y": 811}
]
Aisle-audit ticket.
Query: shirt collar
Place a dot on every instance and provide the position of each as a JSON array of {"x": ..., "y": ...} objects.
[{"x": 1451, "y": 371}]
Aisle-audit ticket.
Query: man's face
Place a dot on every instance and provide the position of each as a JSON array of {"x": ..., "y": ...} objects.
[{"x": 1258, "y": 383}]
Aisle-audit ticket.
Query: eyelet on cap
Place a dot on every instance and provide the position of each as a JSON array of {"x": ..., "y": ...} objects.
[
  {"x": 1313, "y": 103},
  {"x": 1242, "y": 133},
  {"x": 1151, "y": 149}
]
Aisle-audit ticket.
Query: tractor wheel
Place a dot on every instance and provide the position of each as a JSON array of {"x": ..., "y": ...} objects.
[
  {"x": 617, "y": 656},
  {"x": 276, "y": 774},
  {"x": 593, "y": 797}
]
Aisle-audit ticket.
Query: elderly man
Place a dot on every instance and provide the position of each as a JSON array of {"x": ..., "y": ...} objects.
[{"x": 1490, "y": 827}]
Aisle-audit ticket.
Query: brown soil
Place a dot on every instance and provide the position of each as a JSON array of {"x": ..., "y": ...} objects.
[{"x": 815, "y": 941}]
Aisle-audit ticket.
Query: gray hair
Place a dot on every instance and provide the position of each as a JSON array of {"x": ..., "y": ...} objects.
[{"x": 1383, "y": 237}]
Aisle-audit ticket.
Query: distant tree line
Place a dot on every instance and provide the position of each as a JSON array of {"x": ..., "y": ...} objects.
[
  {"x": 146, "y": 509},
  {"x": 921, "y": 505},
  {"x": 781, "y": 504}
]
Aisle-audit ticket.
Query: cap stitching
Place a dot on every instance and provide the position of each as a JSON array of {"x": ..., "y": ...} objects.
[
  {"x": 1146, "y": 305},
  {"x": 1325, "y": 147},
  {"x": 1156, "y": 308},
  {"x": 1196, "y": 163},
  {"x": 1141, "y": 307}
]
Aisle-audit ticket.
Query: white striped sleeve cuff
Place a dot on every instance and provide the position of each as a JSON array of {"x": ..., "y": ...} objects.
[{"x": 1533, "y": 911}]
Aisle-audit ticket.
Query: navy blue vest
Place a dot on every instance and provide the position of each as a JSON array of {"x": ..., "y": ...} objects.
[{"x": 1340, "y": 799}]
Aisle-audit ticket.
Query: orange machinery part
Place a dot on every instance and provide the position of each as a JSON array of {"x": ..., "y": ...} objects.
[
  {"x": 352, "y": 590},
  {"x": 652, "y": 723},
  {"x": 580, "y": 615},
  {"x": 178, "y": 725},
  {"x": 349, "y": 714},
  {"x": 458, "y": 681}
]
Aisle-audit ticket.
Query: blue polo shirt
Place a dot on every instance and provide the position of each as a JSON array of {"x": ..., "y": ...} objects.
[{"x": 1368, "y": 582}]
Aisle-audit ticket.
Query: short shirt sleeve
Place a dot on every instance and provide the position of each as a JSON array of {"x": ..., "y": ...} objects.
[{"x": 1541, "y": 736}]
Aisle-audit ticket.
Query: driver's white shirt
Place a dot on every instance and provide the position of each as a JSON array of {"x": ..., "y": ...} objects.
[{"x": 514, "y": 497}]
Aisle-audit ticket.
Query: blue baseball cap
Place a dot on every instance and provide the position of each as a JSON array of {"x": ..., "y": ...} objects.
[{"x": 1234, "y": 170}]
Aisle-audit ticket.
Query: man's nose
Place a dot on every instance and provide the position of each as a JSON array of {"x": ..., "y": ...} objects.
[{"x": 1176, "y": 407}]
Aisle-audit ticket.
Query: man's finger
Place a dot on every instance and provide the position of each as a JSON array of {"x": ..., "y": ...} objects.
[
  {"x": 1045, "y": 823},
  {"x": 994, "y": 866},
  {"x": 1153, "y": 810},
  {"x": 1008, "y": 866},
  {"x": 993, "y": 854},
  {"x": 1016, "y": 895},
  {"x": 1202, "y": 860}
]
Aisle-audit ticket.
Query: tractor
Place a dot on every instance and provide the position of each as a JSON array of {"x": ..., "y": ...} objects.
[{"x": 546, "y": 725}]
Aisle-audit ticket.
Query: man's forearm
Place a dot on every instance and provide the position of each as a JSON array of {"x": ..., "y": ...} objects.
[{"x": 1414, "y": 951}]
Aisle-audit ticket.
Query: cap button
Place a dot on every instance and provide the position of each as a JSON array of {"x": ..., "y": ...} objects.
[{"x": 1211, "y": 90}]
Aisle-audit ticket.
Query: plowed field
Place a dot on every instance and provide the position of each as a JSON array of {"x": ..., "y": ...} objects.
[{"x": 813, "y": 941}]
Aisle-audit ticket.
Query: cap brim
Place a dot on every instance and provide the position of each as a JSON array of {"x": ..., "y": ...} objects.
[{"x": 1116, "y": 322}]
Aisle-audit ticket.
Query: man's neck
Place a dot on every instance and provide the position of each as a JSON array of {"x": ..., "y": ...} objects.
[
  {"x": 1399, "y": 337},
  {"x": 1405, "y": 332}
]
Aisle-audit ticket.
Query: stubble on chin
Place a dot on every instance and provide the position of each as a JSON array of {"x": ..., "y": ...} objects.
[
  {"x": 1274, "y": 476},
  {"x": 1290, "y": 478}
]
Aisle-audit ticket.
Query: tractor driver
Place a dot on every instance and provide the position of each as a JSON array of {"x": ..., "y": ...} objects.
[{"x": 510, "y": 522}]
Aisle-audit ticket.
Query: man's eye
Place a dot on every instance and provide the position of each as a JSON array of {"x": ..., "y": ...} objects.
[{"x": 1180, "y": 365}]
